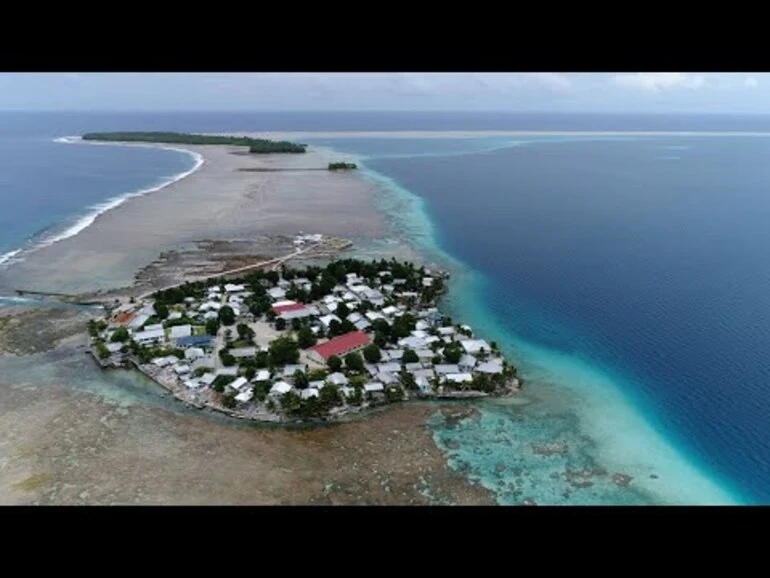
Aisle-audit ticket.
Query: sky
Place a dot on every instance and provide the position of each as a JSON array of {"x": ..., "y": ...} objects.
[{"x": 546, "y": 91}]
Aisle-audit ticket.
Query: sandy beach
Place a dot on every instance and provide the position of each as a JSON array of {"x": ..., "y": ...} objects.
[{"x": 218, "y": 201}]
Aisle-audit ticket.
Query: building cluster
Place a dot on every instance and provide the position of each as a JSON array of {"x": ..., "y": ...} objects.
[{"x": 408, "y": 346}]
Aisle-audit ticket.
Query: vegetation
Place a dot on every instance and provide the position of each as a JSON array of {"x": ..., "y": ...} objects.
[
  {"x": 306, "y": 338},
  {"x": 300, "y": 380},
  {"x": 229, "y": 401},
  {"x": 96, "y": 326},
  {"x": 161, "y": 310},
  {"x": 410, "y": 356},
  {"x": 101, "y": 350},
  {"x": 245, "y": 332},
  {"x": 256, "y": 145},
  {"x": 212, "y": 326},
  {"x": 334, "y": 363},
  {"x": 221, "y": 381},
  {"x": 284, "y": 351},
  {"x": 121, "y": 335},
  {"x": 372, "y": 353},
  {"x": 453, "y": 352},
  {"x": 342, "y": 166},
  {"x": 354, "y": 362},
  {"x": 227, "y": 315},
  {"x": 280, "y": 324}
]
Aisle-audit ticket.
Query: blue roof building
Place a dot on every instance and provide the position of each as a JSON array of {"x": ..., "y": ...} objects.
[{"x": 195, "y": 341}]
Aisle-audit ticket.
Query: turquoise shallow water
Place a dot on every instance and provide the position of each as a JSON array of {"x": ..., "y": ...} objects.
[{"x": 576, "y": 432}]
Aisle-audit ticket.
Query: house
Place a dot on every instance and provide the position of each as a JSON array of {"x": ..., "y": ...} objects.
[
  {"x": 153, "y": 327},
  {"x": 290, "y": 370},
  {"x": 413, "y": 342},
  {"x": 230, "y": 371},
  {"x": 207, "y": 362},
  {"x": 420, "y": 334},
  {"x": 337, "y": 379},
  {"x": 245, "y": 396},
  {"x": 207, "y": 379},
  {"x": 349, "y": 297},
  {"x": 280, "y": 388},
  {"x": 138, "y": 321},
  {"x": 299, "y": 313},
  {"x": 474, "y": 346},
  {"x": 362, "y": 325},
  {"x": 262, "y": 375},
  {"x": 193, "y": 353},
  {"x": 114, "y": 347},
  {"x": 443, "y": 369},
  {"x": 446, "y": 331},
  {"x": 373, "y": 387},
  {"x": 283, "y": 284},
  {"x": 317, "y": 384},
  {"x": 164, "y": 361},
  {"x": 374, "y": 316},
  {"x": 339, "y": 346},
  {"x": 215, "y": 289},
  {"x": 210, "y": 315},
  {"x": 242, "y": 352},
  {"x": 387, "y": 378},
  {"x": 192, "y": 384},
  {"x": 388, "y": 367},
  {"x": 174, "y": 315},
  {"x": 195, "y": 341},
  {"x": 180, "y": 331},
  {"x": 355, "y": 316},
  {"x": 326, "y": 320},
  {"x": 427, "y": 281},
  {"x": 495, "y": 367},
  {"x": 431, "y": 339},
  {"x": 371, "y": 369},
  {"x": 276, "y": 293},
  {"x": 148, "y": 337},
  {"x": 346, "y": 391},
  {"x": 425, "y": 373},
  {"x": 231, "y": 288},
  {"x": 181, "y": 368},
  {"x": 467, "y": 362},
  {"x": 423, "y": 384},
  {"x": 283, "y": 302},
  {"x": 390, "y": 310},
  {"x": 411, "y": 367},
  {"x": 393, "y": 354},
  {"x": 239, "y": 383},
  {"x": 308, "y": 393},
  {"x": 459, "y": 377},
  {"x": 422, "y": 325},
  {"x": 286, "y": 307}
]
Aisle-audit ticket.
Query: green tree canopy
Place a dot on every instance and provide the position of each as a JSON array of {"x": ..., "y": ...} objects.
[
  {"x": 283, "y": 351},
  {"x": 334, "y": 363},
  {"x": 300, "y": 380},
  {"x": 410, "y": 356},
  {"x": 161, "y": 310},
  {"x": 354, "y": 361},
  {"x": 226, "y": 315},
  {"x": 212, "y": 326},
  {"x": 121, "y": 335},
  {"x": 372, "y": 353},
  {"x": 280, "y": 323},
  {"x": 305, "y": 337}
]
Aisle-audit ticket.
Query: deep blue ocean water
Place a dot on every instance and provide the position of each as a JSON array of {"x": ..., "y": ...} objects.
[{"x": 626, "y": 276}]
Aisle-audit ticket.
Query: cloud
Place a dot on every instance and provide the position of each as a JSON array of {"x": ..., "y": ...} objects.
[
  {"x": 751, "y": 82},
  {"x": 658, "y": 81},
  {"x": 552, "y": 80}
]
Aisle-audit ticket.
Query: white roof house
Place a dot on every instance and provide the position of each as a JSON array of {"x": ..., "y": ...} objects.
[
  {"x": 289, "y": 370},
  {"x": 494, "y": 366},
  {"x": 387, "y": 378},
  {"x": 446, "y": 331},
  {"x": 420, "y": 334},
  {"x": 412, "y": 342},
  {"x": 114, "y": 347},
  {"x": 215, "y": 289},
  {"x": 193, "y": 353},
  {"x": 211, "y": 315},
  {"x": 207, "y": 378},
  {"x": 373, "y": 386},
  {"x": 423, "y": 384},
  {"x": 138, "y": 321},
  {"x": 231, "y": 288},
  {"x": 232, "y": 371},
  {"x": 280, "y": 387},
  {"x": 355, "y": 316},
  {"x": 390, "y": 310},
  {"x": 421, "y": 325},
  {"x": 424, "y": 353},
  {"x": 348, "y": 296},
  {"x": 425, "y": 373},
  {"x": 473, "y": 346},
  {"x": 467, "y": 362},
  {"x": 181, "y": 368},
  {"x": 337, "y": 379},
  {"x": 239, "y": 383},
  {"x": 388, "y": 367},
  {"x": 459, "y": 377},
  {"x": 308, "y": 393},
  {"x": 308, "y": 311},
  {"x": 327, "y": 319},
  {"x": 284, "y": 302},
  {"x": 276, "y": 293},
  {"x": 241, "y": 352},
  {"x": 317, "y": 384},
  {"x": 447, "y": 368},
  {"x": 174, "y": 315},
  {"x": 192, "y": 384},
  {"x": 205, "y": 361},
  {"x": 244, "y": 396},
  {"x": 362, "y": 324},
  {"x": 181, "y": 331},
  {"x": 374, "y": 316},
  {"x": 262, "y": 375},
  {"x": 144, "y": 337},
  {"x": 393, "y": 354},
  {"x": 153, "y": 327}
]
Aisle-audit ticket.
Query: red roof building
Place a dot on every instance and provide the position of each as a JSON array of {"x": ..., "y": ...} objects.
[
  {"x": 341, "y": 345},
  {"x": 284, "y": 308}
]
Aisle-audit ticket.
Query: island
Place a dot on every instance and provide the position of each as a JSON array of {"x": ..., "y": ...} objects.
[
  {"x": 256, "y": 145},
  {"x": 342, "y": 166},
  {"x": 283, "y": 344}
]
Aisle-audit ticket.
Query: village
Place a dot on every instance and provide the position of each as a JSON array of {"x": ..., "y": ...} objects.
[{"x": 283, "y": 344}]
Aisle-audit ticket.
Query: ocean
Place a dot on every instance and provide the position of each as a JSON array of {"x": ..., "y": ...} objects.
[{"x": 624, "y": 275}]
